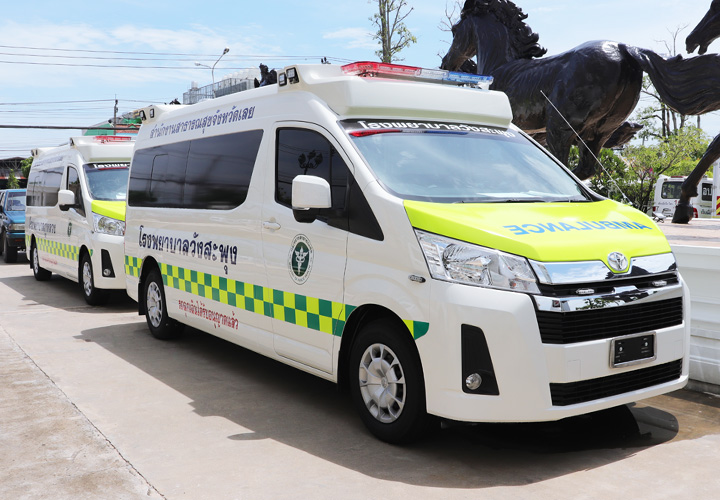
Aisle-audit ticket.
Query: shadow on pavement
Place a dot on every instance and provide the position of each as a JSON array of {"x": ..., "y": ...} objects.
[
  {"x": 281, "y": 403},
  {"x": 60, "y": 293}
]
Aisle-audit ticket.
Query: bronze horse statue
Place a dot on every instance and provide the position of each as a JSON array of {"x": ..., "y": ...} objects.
[
  {"x": 707, "y": 31},
  {"x": 592, "y": 88}
]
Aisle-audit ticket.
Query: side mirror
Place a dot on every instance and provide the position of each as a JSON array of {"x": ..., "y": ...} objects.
[
  {"x": 309, "y": 194},
  {"x": 66, "y": 199}
]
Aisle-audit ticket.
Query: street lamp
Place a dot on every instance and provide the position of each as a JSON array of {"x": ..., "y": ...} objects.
[{"x": 212, "y": 69}]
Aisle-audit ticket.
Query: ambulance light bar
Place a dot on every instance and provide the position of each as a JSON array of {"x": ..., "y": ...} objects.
[{"x": 370, "y": 69}]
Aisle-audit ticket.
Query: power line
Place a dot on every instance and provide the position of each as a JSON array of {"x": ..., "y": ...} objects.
[
  {"x": 78, "y": 102},
  {"x": 232, "y": 56},
  {"x": 71, "y": 127}
]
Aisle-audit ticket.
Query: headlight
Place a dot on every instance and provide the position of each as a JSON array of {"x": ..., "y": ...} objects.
[
  {"x": 108, "y": 225},
  {"x": 460, "y": 262},
  {"x": 17, "y": 227}
]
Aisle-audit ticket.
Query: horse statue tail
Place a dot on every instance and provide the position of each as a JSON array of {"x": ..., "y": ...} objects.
[{"x": 688, "y": 86}]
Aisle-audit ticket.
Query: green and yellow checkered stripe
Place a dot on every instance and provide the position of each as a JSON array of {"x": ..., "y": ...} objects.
[
  {"x": 132, "y": 266},
  {"x": 56, "y": 248},
  {"x": 310, "y": 312}
]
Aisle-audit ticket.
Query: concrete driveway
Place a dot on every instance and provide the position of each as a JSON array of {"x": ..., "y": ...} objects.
[{"x": 91, "y": 406}]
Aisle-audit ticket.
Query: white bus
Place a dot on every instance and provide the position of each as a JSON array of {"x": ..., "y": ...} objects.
[
  {"x": 75, "y": 216},
  {"x": 667, "y": 195}
]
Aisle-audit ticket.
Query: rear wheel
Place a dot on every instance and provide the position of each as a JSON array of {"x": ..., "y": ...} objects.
[
  {"x": 386, "y": 383},
  {"x": 159, "y": 322},
  {"x": 40, "y": 273},
  {"x": 93, "y": 296},
  {"x": 9, "y": 253}
]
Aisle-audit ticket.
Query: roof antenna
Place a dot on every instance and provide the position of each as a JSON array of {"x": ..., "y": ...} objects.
[{"x": 589, "y": 150}]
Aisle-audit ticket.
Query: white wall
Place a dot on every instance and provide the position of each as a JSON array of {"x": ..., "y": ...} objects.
[{"x": 700, "y": 267}]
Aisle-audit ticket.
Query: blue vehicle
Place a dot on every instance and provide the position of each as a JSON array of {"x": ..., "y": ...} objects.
[{"x": 12, "y": 223}]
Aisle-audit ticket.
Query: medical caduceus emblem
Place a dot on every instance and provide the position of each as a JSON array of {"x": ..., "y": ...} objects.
[{"x": 300, "y": 259}]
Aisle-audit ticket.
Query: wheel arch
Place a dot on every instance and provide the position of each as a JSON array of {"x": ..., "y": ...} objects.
[
  {"x": 33, "y": 243},
  {"x": 361, "y": 317},
  {"x": 148, "y": 265}
]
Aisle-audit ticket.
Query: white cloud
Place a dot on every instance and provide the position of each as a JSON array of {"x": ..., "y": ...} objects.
[{"x": 357, "y": 38}]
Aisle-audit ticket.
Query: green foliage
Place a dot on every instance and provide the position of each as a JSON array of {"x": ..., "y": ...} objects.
[
  {"x": 25, "y": 166},
  {"x": 12, "y": 182},
  {"x": 392, "y": 34},
  {"x": 637, "y": 171}
]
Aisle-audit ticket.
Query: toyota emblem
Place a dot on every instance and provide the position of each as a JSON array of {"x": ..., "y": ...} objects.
[{"x": 618, "y": 262}]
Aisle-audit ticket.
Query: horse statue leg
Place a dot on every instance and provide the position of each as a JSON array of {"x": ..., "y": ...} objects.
[{"x": 683, "y": 210}]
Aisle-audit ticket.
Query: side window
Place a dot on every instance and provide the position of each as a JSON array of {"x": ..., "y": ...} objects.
[
  {"x": 211, "y": 173},
  {"x": 706, "y": 192},
  {"x": 73, "y": 184},
  {"x": 139, "y": 182},
  {"x": 157, "y": 176},
  {"x": 33, "y": 181},
  {"x": 305, "y": 152},
  {"x": 51, "y": 180},
  {"x": 219, "y": 170}
]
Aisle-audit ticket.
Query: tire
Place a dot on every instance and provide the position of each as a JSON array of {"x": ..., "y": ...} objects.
[
  {"x": 39, "y": 273},
  {"x": 386, "y": 383},
  {"x": 9, "y": 253},
  {"x": 86, "y": 277},
  {"x": 2, "y": 243},
  {"x": 160, "y": 324}
]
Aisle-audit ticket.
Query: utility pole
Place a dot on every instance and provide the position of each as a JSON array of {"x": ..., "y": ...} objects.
[{"x": 115, "y": 110}]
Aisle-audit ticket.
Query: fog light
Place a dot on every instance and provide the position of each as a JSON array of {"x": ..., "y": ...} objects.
[
  {"x": 473, "y": 381},
  {"x": 107, "y": 272}
]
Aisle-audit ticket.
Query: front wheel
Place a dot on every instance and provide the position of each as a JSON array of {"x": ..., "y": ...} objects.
[
  {"x": 93, "y": 296},
  {"x": 159, "y": 322},
  {"x": 9, "y": 253},
  {"x": 386, "y": 383},
  {"x": 40, "y": 273}
]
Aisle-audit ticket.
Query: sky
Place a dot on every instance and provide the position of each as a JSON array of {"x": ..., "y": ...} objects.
[{"x": 64, "y": 63}]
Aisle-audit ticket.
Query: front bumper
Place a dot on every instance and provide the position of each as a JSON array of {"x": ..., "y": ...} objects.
[
  {"x": 16, "y": 239},
  {"x": 108, "y": 254},
  {"x": 536, "y": 380}
]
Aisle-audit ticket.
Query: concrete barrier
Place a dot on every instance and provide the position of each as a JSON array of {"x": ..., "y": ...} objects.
[{"x": 700, "y": 267}]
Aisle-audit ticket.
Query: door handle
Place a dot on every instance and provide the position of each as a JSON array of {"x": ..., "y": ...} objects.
[{"x": 273, "y": 226}]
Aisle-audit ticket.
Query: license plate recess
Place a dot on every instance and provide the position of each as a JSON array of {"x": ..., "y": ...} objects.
[{"x": 633, "y": 349}]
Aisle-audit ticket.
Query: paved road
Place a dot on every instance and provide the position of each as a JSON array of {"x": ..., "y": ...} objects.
[{"x": 93, "y": 407}]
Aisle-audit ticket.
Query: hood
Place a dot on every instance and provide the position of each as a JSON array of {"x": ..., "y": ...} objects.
[
  {"x": 546, "y": 232},
  {"x": 16, "y": 216},
  {"x": 113, "y": 209}
]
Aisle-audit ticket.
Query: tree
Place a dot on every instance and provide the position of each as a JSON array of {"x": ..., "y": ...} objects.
[
  {"x": 12, "y": 182},
  {"x": 392, "y": 34},
  {"x": 25, "y": 166},
  {"x": 637, "y": 170}
]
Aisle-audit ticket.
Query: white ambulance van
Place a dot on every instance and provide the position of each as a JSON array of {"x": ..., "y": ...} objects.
[
  {"x": 381, "y": 227},
  {"x": 75, "y": 216}
]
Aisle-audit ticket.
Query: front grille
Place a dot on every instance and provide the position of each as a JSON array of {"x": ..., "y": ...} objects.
[
  {"x": 609, "y": 286},
  {"x": 596, "y": 324},
  {"x": 588, "y": 390}
]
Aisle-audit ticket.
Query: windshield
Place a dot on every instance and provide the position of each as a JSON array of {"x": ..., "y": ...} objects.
[
  {"x": 671, "y": 190},
  {"x": 16, "y": 201},
  {"x": 107, "y": 181},
  {"x": 461, "y": 163}
]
